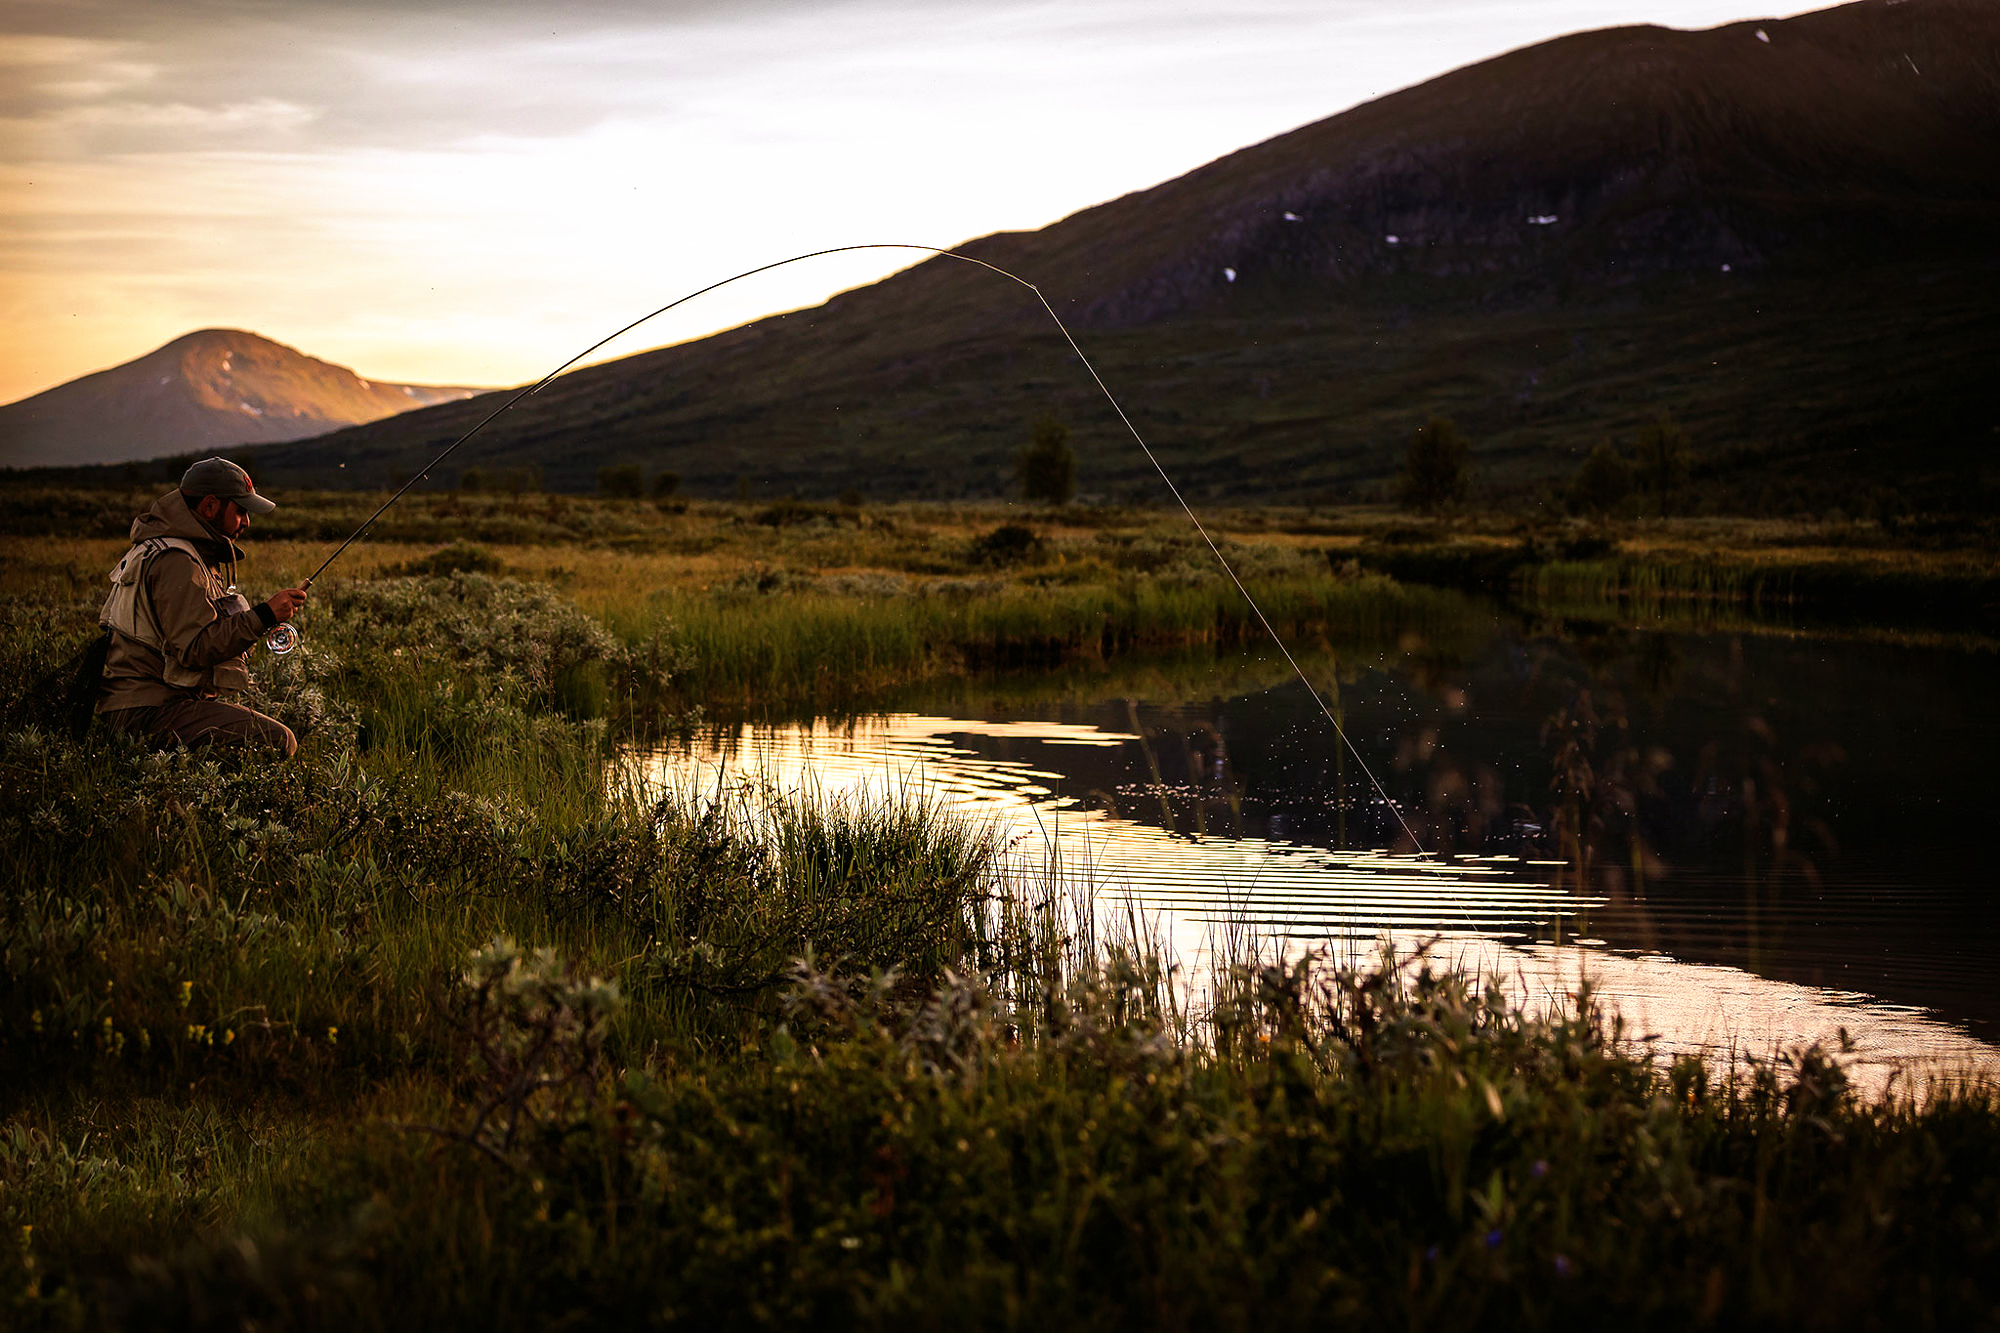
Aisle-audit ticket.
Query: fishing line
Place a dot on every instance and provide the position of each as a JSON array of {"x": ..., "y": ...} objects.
[{"x": 284, "y": 638}]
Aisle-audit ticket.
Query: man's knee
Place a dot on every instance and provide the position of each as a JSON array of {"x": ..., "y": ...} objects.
[
  {"x": 212, "y": 722},
  {"x": 255, "y": 730},
  {"x": 280, "y": 738}
]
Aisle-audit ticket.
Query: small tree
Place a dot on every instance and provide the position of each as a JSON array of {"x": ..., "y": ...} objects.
[
  {"x": 1438, "y": 470},
  {"x": 1048, "y": 465},
  {"x": 1604, "y": 479},
  {"x": 1662, "y": 465},
  {"x": 621, "y": 481},
  {"x": 665, "y": 484}
]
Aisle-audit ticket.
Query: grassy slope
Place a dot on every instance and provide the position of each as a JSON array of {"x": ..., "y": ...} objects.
[
  {"x": 1845, "y": 350},
  {"x": 1812, "y": 392}
]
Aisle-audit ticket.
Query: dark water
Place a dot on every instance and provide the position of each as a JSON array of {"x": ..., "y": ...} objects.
[
  {"x": 1808, "y": 813},
  {"x": 1809, "y": 810}
]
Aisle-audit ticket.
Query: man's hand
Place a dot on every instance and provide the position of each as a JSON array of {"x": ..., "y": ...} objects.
[{"x": 285, "y": 603}]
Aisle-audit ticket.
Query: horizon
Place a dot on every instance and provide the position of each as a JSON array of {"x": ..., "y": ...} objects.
[{"x": 347, "y": 177}]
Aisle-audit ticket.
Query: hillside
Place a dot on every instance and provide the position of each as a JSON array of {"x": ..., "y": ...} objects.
[
  {"x": 1779, "y": 230},
  {"x": 212, "y": 389}
]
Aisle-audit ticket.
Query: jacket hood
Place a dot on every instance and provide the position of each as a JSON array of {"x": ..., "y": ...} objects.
[{"x": 171, "y": 517}]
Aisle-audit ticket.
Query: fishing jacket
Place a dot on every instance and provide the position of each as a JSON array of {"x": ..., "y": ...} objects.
[{"x": 179, "y": 629}]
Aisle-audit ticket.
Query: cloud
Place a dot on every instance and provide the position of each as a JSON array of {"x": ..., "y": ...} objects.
[{"x": 265, "y": 113}]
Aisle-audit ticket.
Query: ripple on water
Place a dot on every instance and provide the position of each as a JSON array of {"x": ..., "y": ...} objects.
[{"x": 1502, "y": 915}]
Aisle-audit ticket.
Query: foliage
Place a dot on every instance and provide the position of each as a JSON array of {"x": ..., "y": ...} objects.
[
  {"x": 1604, "y": 479},
  {"x": 794, "y": 512},
  {"x": 477, "y": 480},
  {"x": 665, "y": 484},
  {"x": 1437, "y": 470},
  {"x": 1008, "y": 544},
  {"x": 621, "y": 481},
  {"x": 457, "y": 557},
  {"x": 1662, "y": 459},
  {"x": 535, "y": 1032},
  {"x": 1047, "y": 465},
  {"x": 1380, "y": 1141}
]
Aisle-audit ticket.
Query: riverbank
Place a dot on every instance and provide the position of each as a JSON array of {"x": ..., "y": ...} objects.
[{"x": 793, "y": 605}]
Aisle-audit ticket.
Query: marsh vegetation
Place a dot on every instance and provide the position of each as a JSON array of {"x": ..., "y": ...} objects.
[{"x": 450, "y": 1022}]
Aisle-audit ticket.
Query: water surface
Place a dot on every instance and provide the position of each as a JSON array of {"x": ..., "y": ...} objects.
[{"x": 1743, "y": 840}]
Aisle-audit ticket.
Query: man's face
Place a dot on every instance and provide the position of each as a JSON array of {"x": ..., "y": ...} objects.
[{"x": 225, "y": 516}]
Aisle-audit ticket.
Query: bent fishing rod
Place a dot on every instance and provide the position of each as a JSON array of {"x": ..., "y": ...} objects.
[{"x": 284, "y": 638}]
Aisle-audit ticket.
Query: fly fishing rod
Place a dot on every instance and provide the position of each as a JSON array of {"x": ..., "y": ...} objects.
[{"x": 284, "y": 638}]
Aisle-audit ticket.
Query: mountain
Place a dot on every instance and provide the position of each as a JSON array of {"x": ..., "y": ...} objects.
[
  {"x": 213, "y": 389},
  {"x": 1781, "y": 231}
]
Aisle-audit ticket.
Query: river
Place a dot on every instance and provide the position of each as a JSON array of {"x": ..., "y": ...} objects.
[{"x": 1744, "y": 840}]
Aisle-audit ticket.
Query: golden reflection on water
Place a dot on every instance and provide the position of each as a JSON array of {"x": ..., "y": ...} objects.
[{"x": 1498, "y": 915}]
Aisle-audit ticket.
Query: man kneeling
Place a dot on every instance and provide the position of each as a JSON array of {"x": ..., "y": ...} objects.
[{"x": 179, "y": 629}]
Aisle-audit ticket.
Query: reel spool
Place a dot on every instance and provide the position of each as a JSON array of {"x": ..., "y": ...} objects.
[{"x": 281, "y": 640}]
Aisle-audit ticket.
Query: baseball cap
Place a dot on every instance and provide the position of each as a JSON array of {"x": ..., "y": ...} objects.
[{"x": 219, "y": 476}]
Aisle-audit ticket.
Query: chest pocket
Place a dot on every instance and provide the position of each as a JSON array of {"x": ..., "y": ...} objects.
[{"x": 129, "y": 611}]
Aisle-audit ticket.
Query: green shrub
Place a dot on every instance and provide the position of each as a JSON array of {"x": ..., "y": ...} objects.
[
  {"x": 1437, "y": 471},
  {"x": 477, "y": 480},
  {"x": 1047, "y": 466},
  {"x": 1604, "y": 479},
  {"x": 455, "y": 557},
  {"x": 1385, "y": 1143},
  {"x": 793, "y": 512},
  {"x": 1662, "y": 459},
  {"x": 621, "y": 481},
  {"x": 1008, "y": 544}
]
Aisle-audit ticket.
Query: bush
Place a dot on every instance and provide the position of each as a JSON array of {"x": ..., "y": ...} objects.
[
  {"x": 1438, "y": 469},
  {"x": 501, "y": 480},
  {"x": 665, "y": 485},
  {"x": 1604, "y": 479},
  {"x": 621, "y": 481},
  {"x": 793, "y": 512},
  {"x": 1008, "y": 544},
  {"x": 1047, "y": 467},
  {"x": 1663, "y": 463},
  {"x": 459, "y": 557},
  {"x": 1351, "y": 1144}
]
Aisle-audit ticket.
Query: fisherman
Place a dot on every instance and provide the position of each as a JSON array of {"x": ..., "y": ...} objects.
[{"x": 179, "y": 630}]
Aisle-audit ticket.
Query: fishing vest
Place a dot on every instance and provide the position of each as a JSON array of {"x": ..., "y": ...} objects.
[{"x": 129, "y": 611}]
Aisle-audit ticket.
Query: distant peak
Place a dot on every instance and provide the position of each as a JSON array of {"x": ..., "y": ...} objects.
[{"x": 226, "y": 338}]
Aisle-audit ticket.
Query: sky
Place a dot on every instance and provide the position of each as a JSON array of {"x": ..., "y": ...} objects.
[{"x": 471, "y": 193}]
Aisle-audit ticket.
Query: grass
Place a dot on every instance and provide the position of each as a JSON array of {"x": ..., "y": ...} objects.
[
  {"x": 1840, "y": 576},
  {"x": 794, "y": 604},
  {"x": 448, "y": 1022}
]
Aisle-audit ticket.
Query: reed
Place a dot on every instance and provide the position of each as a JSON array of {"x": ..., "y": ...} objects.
[{"x": 820, "y": 648}]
